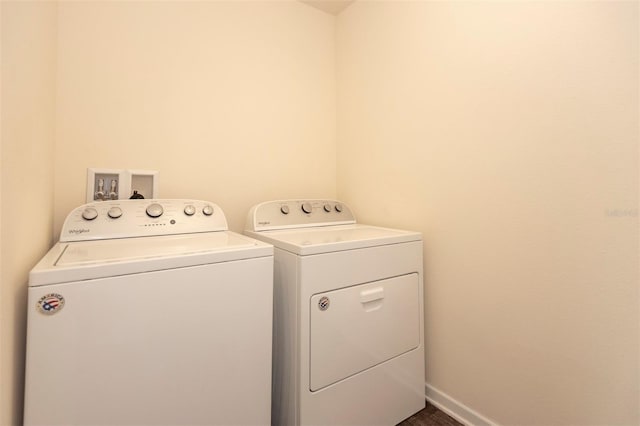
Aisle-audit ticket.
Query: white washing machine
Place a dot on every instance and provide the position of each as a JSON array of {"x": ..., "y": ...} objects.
[
  {"x": 348, "y": 316},
  {"x": 150, "y": 312}
]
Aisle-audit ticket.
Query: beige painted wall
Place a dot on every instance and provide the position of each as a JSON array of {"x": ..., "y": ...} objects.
[
  {"x": 507, "y": 132},
  {"x": 27, "y": 122},
  {"x": 232, "y": 102},
  {"x": 3, "y": 393}
]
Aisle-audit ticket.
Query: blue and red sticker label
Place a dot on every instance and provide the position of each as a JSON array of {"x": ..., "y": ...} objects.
[{"x": 50, "y": 304}]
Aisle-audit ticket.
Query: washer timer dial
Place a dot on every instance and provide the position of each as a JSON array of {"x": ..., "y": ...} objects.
[
  {"x": 154, "y": 210},
  {"x": 89, "y": 213},
  {"x": 114, "y": 212},
  {"x": 306, "y": 207},
  {"x": 207, "y": 210}
]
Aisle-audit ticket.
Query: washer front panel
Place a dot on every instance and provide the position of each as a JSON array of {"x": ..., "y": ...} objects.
[{"x": 187, "y": 346}]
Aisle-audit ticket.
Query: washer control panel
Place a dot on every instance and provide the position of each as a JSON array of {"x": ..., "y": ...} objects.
[
  {"x": 141, "y": 218},
  {"x": 284, "y": 214}
]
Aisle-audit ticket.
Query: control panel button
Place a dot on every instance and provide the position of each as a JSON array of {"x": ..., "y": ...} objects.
[
  {"x": 327, "y": 207},
  {"x": 306, "y": 207},
  {"x": 154, "y": 210},
  {"x": 114, "y": 212},
  {"x": 89, "y": 213},
  {"x": 338, "y": 208},
  {"x": 207, "y": 210},
  {"x": 189, "y": 210},
  {"x": 284, "y": 209}
]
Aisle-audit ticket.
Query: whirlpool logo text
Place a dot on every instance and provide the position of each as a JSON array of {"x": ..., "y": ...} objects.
[{"x": 78, "y": 231}]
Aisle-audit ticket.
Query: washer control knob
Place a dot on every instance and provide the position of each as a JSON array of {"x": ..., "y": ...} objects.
[
  {"x": 284, "y": 209},
  {"x": 154, "y": 210},
  {"x": 306, "y": 207},
  {"x": 189, "y": 210},
  {"x": 89, "y": 213},
  {"x": 338, "y": 208},
  {"x": 114, "y": 212},
  {"x": 327, "y": 207},
  {"x": 207, "y": 210}
]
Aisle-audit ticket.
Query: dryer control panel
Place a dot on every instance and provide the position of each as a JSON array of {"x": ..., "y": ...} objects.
[
  {"x": 287, "y": 214},
  {"x": 141, "y": 218}
]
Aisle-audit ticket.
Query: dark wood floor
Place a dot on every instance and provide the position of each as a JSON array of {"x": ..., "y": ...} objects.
[{"x": 430, "y": 416}]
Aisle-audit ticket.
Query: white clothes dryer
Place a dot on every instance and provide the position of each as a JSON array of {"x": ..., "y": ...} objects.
[
  {"x": 150, "y": 312},
  {"x": 348, "y": 343}
]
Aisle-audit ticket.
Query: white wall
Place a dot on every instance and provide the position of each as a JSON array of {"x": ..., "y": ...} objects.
[
  {"x": 233, "y": 102},
  {"x": 507, "y": 132},
  {"x": 27, "y": 120}
]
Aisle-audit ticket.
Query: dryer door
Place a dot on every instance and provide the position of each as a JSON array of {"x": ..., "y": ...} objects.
[{"x": 356, "y": 328}]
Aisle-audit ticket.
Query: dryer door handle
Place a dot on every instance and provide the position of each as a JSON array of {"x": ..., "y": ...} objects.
[{"x": 371, "y": 295}]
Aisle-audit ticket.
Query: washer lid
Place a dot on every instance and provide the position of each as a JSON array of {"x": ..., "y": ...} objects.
[
  {"x": 305, "y": 241},
  {"x": 92, "y": 252},
  {"x": 84, "y": 260}
]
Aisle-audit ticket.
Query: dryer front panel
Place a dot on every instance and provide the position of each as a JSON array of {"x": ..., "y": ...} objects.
[{"x": 355, "y": 328}]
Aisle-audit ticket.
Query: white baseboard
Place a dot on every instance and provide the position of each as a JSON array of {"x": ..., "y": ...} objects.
[{"x": 456, "y": 409}]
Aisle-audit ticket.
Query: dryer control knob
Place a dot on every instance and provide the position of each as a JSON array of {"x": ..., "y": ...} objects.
[
  {"x": 306, "y": 207},
  {"x": 189, "y": 210},
  {"x": 89, "y": 213},
  {"x": 114, "y": 212},
  {"x": 284, "y": 209},
  {"x": 207, "y": 210},
  {"x": 338, "y": 208},
  {"x": 154, "y": 210},
  {"x": 327, "y": 207}
]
